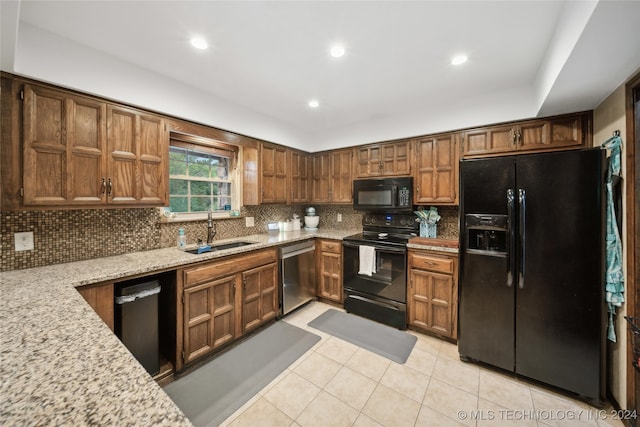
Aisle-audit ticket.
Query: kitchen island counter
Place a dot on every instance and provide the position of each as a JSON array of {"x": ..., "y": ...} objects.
[{"x": 61, "y": 365}]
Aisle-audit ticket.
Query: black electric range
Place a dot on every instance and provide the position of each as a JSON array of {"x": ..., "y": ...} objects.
[
  {"x": 386, "y": 229},
  {"x": 379, "y": 293}
]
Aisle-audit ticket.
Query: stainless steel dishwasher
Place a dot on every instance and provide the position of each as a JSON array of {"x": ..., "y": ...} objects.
[{"x": 297, "y": 275}]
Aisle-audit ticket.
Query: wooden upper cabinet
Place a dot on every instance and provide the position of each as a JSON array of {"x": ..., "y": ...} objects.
[
  {"x": 273, "y": 166},
  {"x": 78, "y": 151},
  {"x": 436, "y": 170},
  {"x": 388, "y": 159},
  {"x": 250, "y": 183},
  {"x": 491, "y": 140},
  {"x": 300, "y": 177},
  {"x": 554, "y": 133},
  {"x": 332, "y": 176},
  {"x": 321, "y": 176},
  {"x": 138, "y": 147},
  {"x": 63, "y": 150},
  {"x": 341, "y": 176}
]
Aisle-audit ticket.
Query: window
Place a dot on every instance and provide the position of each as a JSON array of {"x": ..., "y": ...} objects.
[{"x": 201, "y": 175}]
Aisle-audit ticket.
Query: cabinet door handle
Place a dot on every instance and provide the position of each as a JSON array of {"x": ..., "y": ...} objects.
[
  {"x": 513, "y": 137},
  {"x": 109, "y": 187},
  {"x": 104, "y": 186}
]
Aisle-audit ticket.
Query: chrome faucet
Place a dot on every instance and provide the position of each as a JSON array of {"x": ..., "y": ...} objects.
[{"x": 211, "y": 229}]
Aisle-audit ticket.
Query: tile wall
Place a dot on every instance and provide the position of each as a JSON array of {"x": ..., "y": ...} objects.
[{"x": 74, "y": 235}]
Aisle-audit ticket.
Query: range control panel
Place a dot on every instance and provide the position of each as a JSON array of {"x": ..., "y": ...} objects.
[{"x": 399, "y": 221}]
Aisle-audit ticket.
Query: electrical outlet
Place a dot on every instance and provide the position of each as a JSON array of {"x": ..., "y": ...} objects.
[
  {"x": 249, "y": 221},
  {"x": 24, "y": 241},
  {"x": 339, "y": 217}
]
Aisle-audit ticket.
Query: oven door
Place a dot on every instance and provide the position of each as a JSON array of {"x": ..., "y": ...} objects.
[{"x": 390, "y": 278}]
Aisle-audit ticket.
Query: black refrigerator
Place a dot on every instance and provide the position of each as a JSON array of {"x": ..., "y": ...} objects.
[{"x": 531, "y": 285}]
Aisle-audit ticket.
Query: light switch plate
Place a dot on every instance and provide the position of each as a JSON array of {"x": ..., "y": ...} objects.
[
  {"x": 249, "y": 221},
  {"x": 339, "y": 217},
  {"x": 24, "y": 241}
]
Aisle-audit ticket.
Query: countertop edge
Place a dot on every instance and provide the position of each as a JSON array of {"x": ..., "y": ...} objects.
[{"x": 84, "y": 374}]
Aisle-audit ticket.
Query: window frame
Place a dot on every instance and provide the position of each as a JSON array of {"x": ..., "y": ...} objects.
[{"x": 207, "y": 146}]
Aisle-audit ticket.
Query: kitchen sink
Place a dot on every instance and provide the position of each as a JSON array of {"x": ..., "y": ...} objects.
[{"x": 221, "y": 246}]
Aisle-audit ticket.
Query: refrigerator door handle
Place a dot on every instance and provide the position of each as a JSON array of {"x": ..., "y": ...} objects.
[
  {"x": 522, "y": 200},
  {"x": 512, "y": 236}
]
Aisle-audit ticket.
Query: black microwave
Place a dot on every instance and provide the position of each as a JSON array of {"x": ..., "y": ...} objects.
[{"x": 383, "y": 194}]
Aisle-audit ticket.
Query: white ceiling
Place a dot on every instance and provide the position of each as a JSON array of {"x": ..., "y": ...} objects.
[{"x": 268, "y": 58}]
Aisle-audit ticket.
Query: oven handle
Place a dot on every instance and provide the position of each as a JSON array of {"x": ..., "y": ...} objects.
[
  {"x": 371, "y": 301},
  {"x": 379, "y": 248}
]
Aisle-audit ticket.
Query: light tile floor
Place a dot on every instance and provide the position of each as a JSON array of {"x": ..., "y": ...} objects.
[{"x": 336, "y": 383}]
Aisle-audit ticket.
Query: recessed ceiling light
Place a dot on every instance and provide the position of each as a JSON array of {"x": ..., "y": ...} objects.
[
  {"x": 313, "y": 103},
  {"x": 199, "y": 43},
  {"x": 337, "y": 51},
  {"x": 459, "y": 59}
]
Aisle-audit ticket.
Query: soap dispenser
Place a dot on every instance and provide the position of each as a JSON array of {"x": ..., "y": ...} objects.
[{"x": 182, "y": 239}]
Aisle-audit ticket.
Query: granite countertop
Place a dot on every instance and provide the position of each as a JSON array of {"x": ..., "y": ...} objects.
[
  {"x": 61, "y": 365},
  {"x": 441, "y": 245}
]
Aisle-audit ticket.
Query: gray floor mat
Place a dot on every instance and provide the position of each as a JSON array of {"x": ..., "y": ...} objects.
[
  {"x": 214, "y": 391},
  {"x": 381, "y": 339}
]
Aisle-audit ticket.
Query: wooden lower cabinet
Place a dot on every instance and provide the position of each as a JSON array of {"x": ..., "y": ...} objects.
[
  {"x": 330, "y": 269},
  {"x": 223, "y": 299},
  {"x": 100, "y": 298},
  {"x": 432, "y": 292},
  {"x": 209, "y": 313},
  {"x": 259, "y": 296}
]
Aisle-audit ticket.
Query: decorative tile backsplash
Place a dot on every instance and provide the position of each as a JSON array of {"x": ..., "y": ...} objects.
[{"x": 74, "y": 235}]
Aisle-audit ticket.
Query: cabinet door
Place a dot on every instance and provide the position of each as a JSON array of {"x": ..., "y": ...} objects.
[
  {"x": 300, "y": 178},
  {"x": 436, "y": 170},
  {"x": 64, "y": 143},
  {"x": 321, "y": 178},
  {"x": 153, "y": 153},
  {"x": 45, "y": 121},
  {"x": 122, "y": 130},
  {"x": 567, "y": 131},
  {"x": 273, "y": 163},
  {"x": 430, "y": 301},
  {"x": 259, "y": 296},
  {"x": 396, "y": 158},
  {"x": 341, "y": 182},
  {"x": 208, "y": 316},
  {"x": 250, "y": 186},
  {"x": 138, "y": 148},
  {"x": 87, "y": 138},
  {"x": 496, "y": 139},
  {"x": 369, "y": 161},
  {"x": 533, "y": 135},
  {"x": 330, "y": 276}
]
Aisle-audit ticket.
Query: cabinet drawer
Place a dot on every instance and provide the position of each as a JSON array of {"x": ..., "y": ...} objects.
[
  {"x": 333, "y": 246},
  {"x": 227, "y": 265},
  {"x": 431, "y": 262}
]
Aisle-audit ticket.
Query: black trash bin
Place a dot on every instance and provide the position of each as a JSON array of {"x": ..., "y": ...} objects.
[{"x": 136, "y": 321}]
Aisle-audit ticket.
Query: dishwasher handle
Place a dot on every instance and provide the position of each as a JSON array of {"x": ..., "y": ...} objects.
[
  {"x": 138, "y": 295},
  {"x": 285, "y": 255}
]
